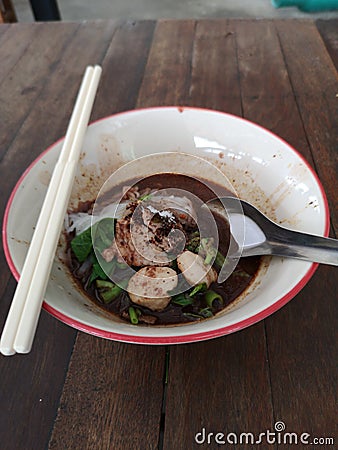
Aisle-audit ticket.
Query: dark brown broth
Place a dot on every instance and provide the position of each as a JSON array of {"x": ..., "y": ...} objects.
[{"x": 229, "y": 290}]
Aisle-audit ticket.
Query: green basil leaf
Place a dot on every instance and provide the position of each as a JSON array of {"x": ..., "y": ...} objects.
[
  {"x": 82, "y": 245},
  {"x": 182, "y": 300},
  {"x": 103, "y": 235}
]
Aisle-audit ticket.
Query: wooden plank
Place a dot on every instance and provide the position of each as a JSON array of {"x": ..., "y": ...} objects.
[
  {"x": 306, "y": 382},
  {"x": 221, "y": 386},
  {"x": 295, "y": 357},
  {"x": 314, "y": 82},
  {"x": 118, "y": 88},
  {"x": 267, "y": 99},
  {"x": 37, "y": 398},
  {"x": 328, "y": 30},
  {"x": 262, "y": 72},
  {"x": 314, "y": 58},
  {"x": 31, "y": 73},
  {"x": 267, "y": 94},
  {"x": 214, "y": 81},
  {"x": 302, "y": 348},
  {"x": 113, "y": 397},
  {"x": 169, "y": 59},
  {"x": 11, "y": 118},
  {"x": 31, "y": 384},
  {"x": 13, "y": 45}
]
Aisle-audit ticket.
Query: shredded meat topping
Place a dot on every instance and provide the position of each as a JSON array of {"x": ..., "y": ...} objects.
[{"x": 146, "y": 234}]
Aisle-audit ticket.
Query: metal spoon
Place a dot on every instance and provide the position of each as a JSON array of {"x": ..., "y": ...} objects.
[{"x": 255, "y": 234}]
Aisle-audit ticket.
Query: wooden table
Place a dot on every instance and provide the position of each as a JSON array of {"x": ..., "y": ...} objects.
[{"x": 76, "y": 391}]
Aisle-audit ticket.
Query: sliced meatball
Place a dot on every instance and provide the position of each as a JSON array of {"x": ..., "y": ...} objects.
[
  {"x": 149, "y": 287},
  {"x": 135, "y": 245},
  {"x": 194, "y": 270}
]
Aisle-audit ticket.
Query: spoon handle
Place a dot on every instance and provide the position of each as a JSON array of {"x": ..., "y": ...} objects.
[
  {"x": 292, "y": 244},
  {"x": 304, "y": 246}
]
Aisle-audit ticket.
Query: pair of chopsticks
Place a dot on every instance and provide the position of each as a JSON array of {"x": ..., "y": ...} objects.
[{"x": 19, "y": 330}]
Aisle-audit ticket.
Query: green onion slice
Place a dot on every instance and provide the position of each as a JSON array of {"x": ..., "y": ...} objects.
[
  {"x": 133, "y": 315},
  {"x": 211, "y": 296},
  {"x": 108, "y": 291}
]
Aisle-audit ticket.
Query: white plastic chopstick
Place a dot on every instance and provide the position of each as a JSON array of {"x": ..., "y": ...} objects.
[{"x": 22, "y": 319}]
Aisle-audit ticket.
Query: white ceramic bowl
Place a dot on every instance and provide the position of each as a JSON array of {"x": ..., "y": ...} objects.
[{"x": 262, "y": 168}]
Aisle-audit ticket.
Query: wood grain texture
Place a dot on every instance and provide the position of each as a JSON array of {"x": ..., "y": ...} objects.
[
  {"x": 37, "y": 378},
  {"x": 221, "y": 386},
  {"x": 214, "y": 73},
  {"x": 112, "y": 398},
  {"x": 267, "y": 95},
  {"x": 328, "y": 30},
  {"x": 301, "y": 339},
  {"x": 167, "y": 73},
  {"x": 262, "y": 72},
  {"x": 31, "y": 73},
  {"x": 47, "y": 121},
  {"x": 31, "y": 385},
  {"x": 314, "y": 82},
  {"x": 123, "y": 68},
  {"x": 296, "y": 355},
  {"x": 276, "y": 108},
  {"x": 302, "y": 349},
  {"x": 267, "y": 98},
  {"x": 20, "y": 38}
]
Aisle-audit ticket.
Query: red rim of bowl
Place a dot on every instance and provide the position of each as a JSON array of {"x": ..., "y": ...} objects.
[{"x": 187, "y": 338}]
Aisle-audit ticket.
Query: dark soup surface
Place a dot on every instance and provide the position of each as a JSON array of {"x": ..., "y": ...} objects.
[{"x": 148, "y": 253}]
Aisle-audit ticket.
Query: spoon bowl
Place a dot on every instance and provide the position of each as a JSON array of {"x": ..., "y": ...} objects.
[{"x": 256, "y": 234}]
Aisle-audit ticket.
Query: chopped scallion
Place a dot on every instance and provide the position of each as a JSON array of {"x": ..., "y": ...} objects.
[
  {"x": 211, "y": 296},
  {"x": 209, "y": 258},
  {"x": 182, "y": 300},
  {"x": 193, "y": 316},
  {"x": 133, "y": 315},
  {"x": 219, "y": 260},
  {"x": 206, "y": 312},
  {"x": 208, "y": 250},
  {"x": 108, "y": 291}
]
